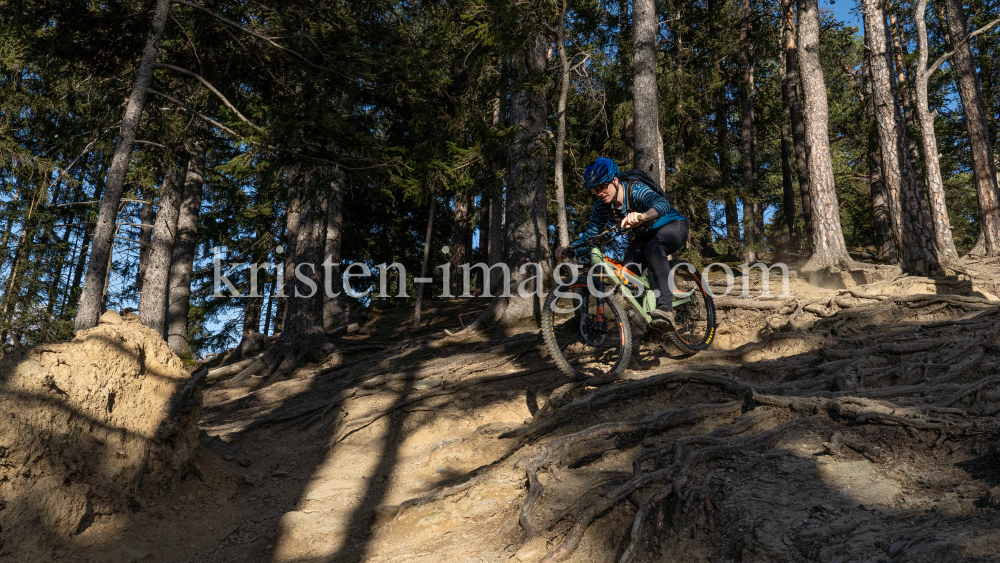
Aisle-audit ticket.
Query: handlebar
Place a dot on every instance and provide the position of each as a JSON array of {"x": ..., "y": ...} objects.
[{"x": 596, "y": 239}]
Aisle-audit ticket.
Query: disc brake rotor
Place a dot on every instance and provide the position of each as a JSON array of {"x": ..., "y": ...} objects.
[{"x": 590, "y": 335}]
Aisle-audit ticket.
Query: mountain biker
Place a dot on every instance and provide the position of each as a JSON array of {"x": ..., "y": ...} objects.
[{"x": 632, "y": 204}]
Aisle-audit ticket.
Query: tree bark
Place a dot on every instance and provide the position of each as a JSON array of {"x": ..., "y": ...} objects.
[
  {"x": 790, "y": 95},
  {"x": 460, "y": 240},
  {"x": 526, "y": 228},
  {"x": 483, "y": 254},
  {"x": 91, "y": 299},
  {"x": 624, "y": 38},
  {"x": 182, "y": 258},
  {"x": 880, "y": 199},
  {"x": 304, "y": 312},
  {"x": 17, "y": 265},
  {"x": 748, "y": 163},
  {"x": 495, "y": 234},
  {"x": 725, "y": 171},
  {"x": 67, "y": 252},
  {"x": 904, "y": 91},
  {"x": 334, "y": 311},
  {"x": 252, "y": 342},
  {"x": 88, "y": 232},
  {"x": 146, "y": 217},
  {"x": 983, "y": 165},
  {"x": 153, "y": 298},
  {"x": 268, "y": 308},
  {"x": 787, "y": 185},
  {"x": 907, "y": 209},
  {"x": 646, "y": 113},
  {"x": 828, "y": 247},
  {"x": 496, "y": 229},
  {"x": 932, "y": 167},
  {"x": 302, "y": 338},
  {"x": 562, "y": 226},
  {"x": 426, "y": 259}
]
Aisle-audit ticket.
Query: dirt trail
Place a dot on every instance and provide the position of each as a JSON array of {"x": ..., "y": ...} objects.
[{"x": 850, "y": 424}]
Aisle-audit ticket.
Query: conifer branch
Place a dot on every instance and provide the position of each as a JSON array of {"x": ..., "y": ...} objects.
[
  {"x": 195, "y": 112},
  {"x": 213, "y": 89},
  {"x": 71, "y": 164},
  {"x": 249, "y": 31},
  {"x": 968, "y": 38},
  {"x": 151, "y": 143}
]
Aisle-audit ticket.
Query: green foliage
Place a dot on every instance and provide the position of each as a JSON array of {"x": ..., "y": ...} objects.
[{"x": 402, "y": 103}]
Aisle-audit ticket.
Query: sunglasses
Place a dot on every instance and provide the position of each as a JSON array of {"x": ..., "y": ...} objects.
[{"x": 599, "y": 189}]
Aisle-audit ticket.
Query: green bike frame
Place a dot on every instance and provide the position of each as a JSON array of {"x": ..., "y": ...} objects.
[{"x": 619, "y": 274}]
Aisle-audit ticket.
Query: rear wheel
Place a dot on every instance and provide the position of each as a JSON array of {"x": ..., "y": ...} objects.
[
  {"x": 584, "y": 339},
  {"x": 695, "y": 317}
]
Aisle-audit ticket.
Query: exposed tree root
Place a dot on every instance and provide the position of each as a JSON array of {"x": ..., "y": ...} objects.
[
  {"x": 287, "y": 353},
  {"x": 873, "y": 360}
]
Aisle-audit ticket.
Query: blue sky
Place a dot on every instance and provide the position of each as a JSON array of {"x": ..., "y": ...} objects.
[{"x": 844, "y": 10}]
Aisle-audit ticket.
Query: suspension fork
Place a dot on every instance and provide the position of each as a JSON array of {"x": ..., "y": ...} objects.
[{"x": 600, "y": 303}]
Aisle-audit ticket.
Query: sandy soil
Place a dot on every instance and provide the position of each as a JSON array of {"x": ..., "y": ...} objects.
[{"x": 325, "y": 464}]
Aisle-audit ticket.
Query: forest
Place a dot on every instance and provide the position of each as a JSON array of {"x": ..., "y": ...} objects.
[
  {"x": 146, "y": 147},
  {"x": 403, "y": 119}
]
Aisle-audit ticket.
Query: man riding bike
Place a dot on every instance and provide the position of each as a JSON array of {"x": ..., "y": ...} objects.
[{"x": 631, "y": 205}]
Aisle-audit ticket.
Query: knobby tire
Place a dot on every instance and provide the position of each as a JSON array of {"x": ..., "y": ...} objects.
[{"x": 572, "y": 341}]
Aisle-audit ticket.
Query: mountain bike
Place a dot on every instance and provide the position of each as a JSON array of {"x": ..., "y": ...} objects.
[{"x": 587, "y": 320}]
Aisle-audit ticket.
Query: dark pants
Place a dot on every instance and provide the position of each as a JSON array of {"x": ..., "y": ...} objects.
[{"x": 651, "y": 249}]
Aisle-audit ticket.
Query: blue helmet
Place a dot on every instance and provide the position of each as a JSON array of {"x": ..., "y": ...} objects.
[{"x": 602, "y": 170}]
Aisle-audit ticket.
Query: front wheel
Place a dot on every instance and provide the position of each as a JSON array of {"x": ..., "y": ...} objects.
[
  {"x": 694, "y": 311},
  {"x": 586, "y": 337}
]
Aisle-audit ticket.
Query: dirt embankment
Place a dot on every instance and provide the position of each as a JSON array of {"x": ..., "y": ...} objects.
[{"x": 89, "y": 427}]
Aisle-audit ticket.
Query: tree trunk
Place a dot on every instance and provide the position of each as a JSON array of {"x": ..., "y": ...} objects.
[
  {"x": 828, "y": 247},
  {"x": 304, "y": 312},
  {"x": 484, "y": 227},
  {"x": 334, "y": 311},
  {"x": 5, "y": 237},
  {"x": 495, "y": 234},
  {"x": 146, "y": 217},
  {"x": 932, "y": 167},
  {"x": 496, "y": 230},
  {"x": 25, "y": 241},
  {"x": 81, "y": 262},
  {"x": 252, "y": 342},
  {"x": 57, "y": 272},
  {"x": 153, "y": 298},
  {"x": 787, "y": 185},
  {"x": 880, "y": 199},
  {"x": 525, "y": 229},
  {"x": 562, "y": 227},
  {"x": 460, "y": 240},
  {"x": 790, "y": 96},
  {"x": 662, "y": 162},
  {"x": 907, "y": 208},
  {"x": 624, "y": 38},
  {"x": 88, "y": 233},
  {"x": 91, "y": 299},
  {"x": 725, "y": 171},
  {"x": 302, "y": 338},
  {"x": 748, "y": 163},
  {"x": 646, "y": 113},
  {"x": 268, "y": 309},
  {"x": 425, "y": 261},
  {"x": 182, "y": 258},
  {"x": 279, "y": 314},
  {"x": 897, "y": 51},
  {"x": 983, "y": 166}
]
